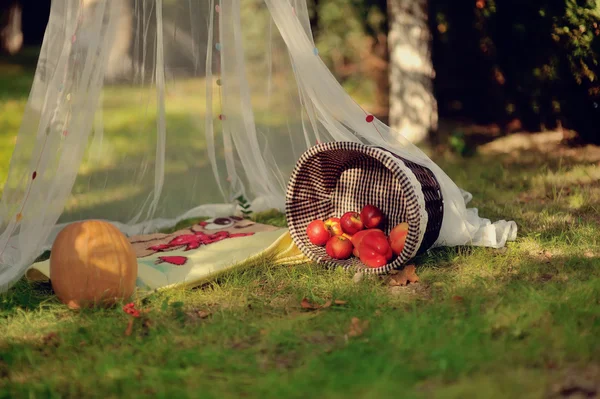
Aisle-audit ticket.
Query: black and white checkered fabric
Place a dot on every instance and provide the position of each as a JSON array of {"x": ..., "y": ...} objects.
[{"x": 331, "y": 179}]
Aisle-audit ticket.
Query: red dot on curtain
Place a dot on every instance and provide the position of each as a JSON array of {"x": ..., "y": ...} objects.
[
  {"x": 73, "y": 38},
  {"x": 370, "y": 118},
  {"x": 33, "y": 175},
  {"x": 221, "y": 117}
]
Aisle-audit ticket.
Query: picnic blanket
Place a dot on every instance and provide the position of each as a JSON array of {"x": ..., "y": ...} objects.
[{"x": 192, "y": 256}]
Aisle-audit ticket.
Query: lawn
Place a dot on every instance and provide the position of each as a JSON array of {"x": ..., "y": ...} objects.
[{"x": 523, "y": 321}]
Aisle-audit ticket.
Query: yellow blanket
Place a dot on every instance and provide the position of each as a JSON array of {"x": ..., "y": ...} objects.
[{"x": 195, "y": 255}]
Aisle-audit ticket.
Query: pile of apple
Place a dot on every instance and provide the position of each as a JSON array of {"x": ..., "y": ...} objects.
[{"x": 358, "y": 234}]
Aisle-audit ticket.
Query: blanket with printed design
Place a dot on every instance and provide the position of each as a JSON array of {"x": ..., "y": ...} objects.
[{"x": 197, "y": 254}]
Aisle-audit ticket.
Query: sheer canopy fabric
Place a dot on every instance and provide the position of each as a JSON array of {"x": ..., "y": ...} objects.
[{"x": 148, "y": 112}]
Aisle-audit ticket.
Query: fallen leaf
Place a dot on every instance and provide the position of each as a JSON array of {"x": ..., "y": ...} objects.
[
  {"x": 405, "y": 276},
  {"x": 203, "y": 314},
  {"x": 547, "y": 256},
  {"x": 457, "y": 298},
  {"x": 357, "y": 327},
  {"x": 340, "y": 302},
  {"x": 550, "y": 364},
  {"x": 51, "y": 339},
  {"x": 358, "y": 277},
  {"x": 306, "y": 304},
  {"x": 129, "y": 329}
]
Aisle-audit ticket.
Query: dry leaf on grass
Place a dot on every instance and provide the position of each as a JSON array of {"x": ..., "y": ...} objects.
[
  {"x": 129, "y": 329},
  {"x": 51, "y": 339},
  {"x": 357, "y": 327},
  {"x": 198, "y": 314},
  {"x": 358, "y": 277},
  {"x": 306, "y": 304},
  {"x": 203, "y": 314},
  {"x": 404, "y": 276},
  {"x": 546, "y": 256},
  {"x": 457, "y": 298}
]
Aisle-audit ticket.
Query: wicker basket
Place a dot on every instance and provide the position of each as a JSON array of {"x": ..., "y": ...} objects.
[{"x": 333, "y": 178}]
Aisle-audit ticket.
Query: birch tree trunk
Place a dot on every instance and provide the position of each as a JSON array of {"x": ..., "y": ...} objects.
[{"x": 413, "y": 108}]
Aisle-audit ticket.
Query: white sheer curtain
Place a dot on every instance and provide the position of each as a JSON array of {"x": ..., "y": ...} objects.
[{"x": 147, "y": 112}]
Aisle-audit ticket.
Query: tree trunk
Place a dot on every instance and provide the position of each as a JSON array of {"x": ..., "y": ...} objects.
[
  {"x": 11, "y": 35},
  {"x": 413, "y": 108},
  {"x": 376, "y": 64}
]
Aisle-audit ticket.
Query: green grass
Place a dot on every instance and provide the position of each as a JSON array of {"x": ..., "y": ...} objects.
[{"x": 518, "y": 322}]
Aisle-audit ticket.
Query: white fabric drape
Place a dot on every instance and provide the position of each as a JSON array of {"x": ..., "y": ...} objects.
[{"x": 148, "y": 112}]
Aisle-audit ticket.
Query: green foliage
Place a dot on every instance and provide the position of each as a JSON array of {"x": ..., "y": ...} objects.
[
  {"x": 344, "y": 32},
  {"x": 534, "y": 61},
  {"x": 245, "y": 205},
  {"x": 577, "y": 33}
]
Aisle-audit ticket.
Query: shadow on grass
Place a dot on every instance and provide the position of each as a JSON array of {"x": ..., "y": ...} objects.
[{"x": 26, "y": 296}]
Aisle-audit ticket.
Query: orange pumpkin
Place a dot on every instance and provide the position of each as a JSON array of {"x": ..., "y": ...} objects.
[{"x": 92, "y": 263}]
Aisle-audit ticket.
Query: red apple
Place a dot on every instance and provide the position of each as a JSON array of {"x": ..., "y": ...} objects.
[
  {"x": 351, "y": 223},
  {"x": 358, "y": 237},
  {"x": 389, "y": 254},
  {"x": 374, "y": 240},
  {"x": 339, "y": 247},
  {"x": 378, "y": 242},
  {"x": 334, "y": 226},
  {"x": 397, "y": 237},
  {"x": 370, "y": 257},
  {"x": 317, "y": 232},
  {"x": 371, "y": 216}
]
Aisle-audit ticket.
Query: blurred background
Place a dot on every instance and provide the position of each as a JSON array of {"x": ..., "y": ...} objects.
[{"x": 462, "y": 71}]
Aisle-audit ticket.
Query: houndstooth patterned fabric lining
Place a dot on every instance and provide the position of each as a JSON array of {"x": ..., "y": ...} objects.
[{"x": 333, "y": 178}]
